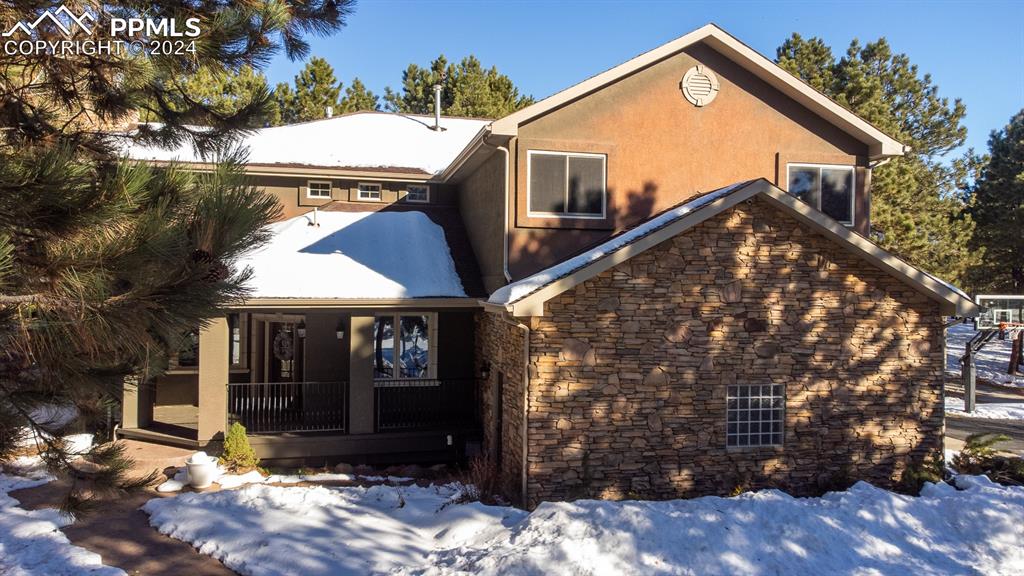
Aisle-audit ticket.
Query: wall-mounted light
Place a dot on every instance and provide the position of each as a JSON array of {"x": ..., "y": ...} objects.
[
  {"x": 485, "y": 371},
  {"x": 340, "y": 331},
  {"x": 301, "y": 329}
]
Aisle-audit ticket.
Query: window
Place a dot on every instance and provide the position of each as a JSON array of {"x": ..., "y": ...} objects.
[
  {"x": 754, "y": 415},
  {"x": 402, "y": 346},
  {"x": 187, "y": 356},
  {"x": 417, "y": 193},
  {"x": 827, "y": 188},
  {"x": 565, "y": 185},
  {"x": 238, "y": 330},
  {"x": 318, "y": 189},
  {"x": 369, "y": 192}
]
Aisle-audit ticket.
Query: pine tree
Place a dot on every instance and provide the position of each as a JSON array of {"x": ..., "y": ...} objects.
[
  {"x": 917, "y": 212},
  {"x": 105, "y": 263},
  {"x": 226, "y": 92},
  {"x": 316, "y": 89},
  {"x": 468, "y": 90},
  {"x": 358, "y": 98},
  {"x": 998, "y": 209}
]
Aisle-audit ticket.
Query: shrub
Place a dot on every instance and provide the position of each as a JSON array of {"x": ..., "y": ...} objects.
[
  {"x": 914, "y": 477},
  {"x": 238, "y": 455},
  {"x": 481, "y": 481},
  {"x": 979, "y": 456}
]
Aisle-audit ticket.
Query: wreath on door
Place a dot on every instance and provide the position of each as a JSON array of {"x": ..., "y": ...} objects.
[{"x": 284, "y": 346}]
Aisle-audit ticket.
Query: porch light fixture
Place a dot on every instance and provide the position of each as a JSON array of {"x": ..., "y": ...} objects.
[
  {"x": 340, "y": 332},
  {"x": 485, "y": 371},
  {"x": 301, "y": 329}
]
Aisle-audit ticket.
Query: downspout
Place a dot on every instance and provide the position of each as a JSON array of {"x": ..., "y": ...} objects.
[
  {"x": 526, "y": 402},
  {"x": 504, "y": 246}
]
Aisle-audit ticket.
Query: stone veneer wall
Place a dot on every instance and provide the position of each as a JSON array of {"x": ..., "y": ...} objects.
[
  {"x": 501, "y": 345},
  {"x": 629, "y": 369}
]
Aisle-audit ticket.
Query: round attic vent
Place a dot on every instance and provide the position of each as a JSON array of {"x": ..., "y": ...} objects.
[{"x": 699, "y": 85}]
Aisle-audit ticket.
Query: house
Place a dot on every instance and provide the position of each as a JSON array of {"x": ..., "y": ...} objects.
[{"x": 656, "y": 283}]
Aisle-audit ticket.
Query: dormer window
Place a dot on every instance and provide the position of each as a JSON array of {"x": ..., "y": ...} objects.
[
  {"x": 318, "y": 189},
  {"x": 369, "y": 192},
  {"x": 826, "y": 187}
]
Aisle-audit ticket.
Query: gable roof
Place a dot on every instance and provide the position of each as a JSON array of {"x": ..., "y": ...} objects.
[
  {"x": 361, "y": 141},
  {"x": 880, "y": 144},
  {"x": 526, "y": 297}
]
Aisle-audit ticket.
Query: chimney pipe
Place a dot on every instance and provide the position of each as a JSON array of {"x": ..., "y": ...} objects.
[
  {"x": 437, "y": 106},
  {"x": 329, "y": 111}
]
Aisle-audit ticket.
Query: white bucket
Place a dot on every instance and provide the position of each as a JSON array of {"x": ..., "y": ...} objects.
[{"x": 202, "y": 470}]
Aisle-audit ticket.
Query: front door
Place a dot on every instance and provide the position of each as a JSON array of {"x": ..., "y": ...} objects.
[{"x": 283, "y": 352}]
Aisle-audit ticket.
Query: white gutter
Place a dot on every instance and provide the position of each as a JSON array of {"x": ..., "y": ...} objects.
[{"x": 504, "y": 237}]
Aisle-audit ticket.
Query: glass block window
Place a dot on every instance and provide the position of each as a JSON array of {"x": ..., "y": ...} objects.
[{"x": 755, "y": 415}]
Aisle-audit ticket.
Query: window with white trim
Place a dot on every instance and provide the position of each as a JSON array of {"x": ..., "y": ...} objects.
[
  {"x": 565, "y": 185},
  {"x": 369, "y": 192},
  {"x": 318, "y": 189},
  {"x": 827, "y": 188},
  {"x": 754, "y": 415},
  {"x": 403, "y": 346},
  {"x": 417, "y": 193}
]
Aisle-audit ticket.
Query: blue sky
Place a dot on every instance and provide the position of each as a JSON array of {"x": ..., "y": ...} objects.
[{"x": 974, "y": 50}]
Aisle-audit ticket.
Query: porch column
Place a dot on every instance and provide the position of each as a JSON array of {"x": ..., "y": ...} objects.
[
  {"x": 213, "y": 380},
  {"x": 136, "y": 403},
  {"x": 360, "y": 375}
]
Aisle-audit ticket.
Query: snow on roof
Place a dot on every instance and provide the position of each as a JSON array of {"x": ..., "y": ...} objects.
[
  {"x": 522, "y": 288},
  {"x": 355, "y": 255},
  {"x": 358, "y": 140}
]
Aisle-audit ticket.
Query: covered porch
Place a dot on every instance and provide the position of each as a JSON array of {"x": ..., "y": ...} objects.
[{"x": 321, "y": 381}]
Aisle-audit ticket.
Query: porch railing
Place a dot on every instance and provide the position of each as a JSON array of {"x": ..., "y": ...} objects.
[
  {"x": 271, "y": 407},
  {"x": 407, "y": 404}
]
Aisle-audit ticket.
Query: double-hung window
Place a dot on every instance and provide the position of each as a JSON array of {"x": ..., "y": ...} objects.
[
  {"x": 827, "y": 188},
  {"x": 403, "y": 346},
  {"x": 318, "y": 189},
  {"x": 566, "y": 184},
  {"x": 417, "y": 193},
  {"x": 754, "y": 415},
  {"x": 369, "y": 192}
]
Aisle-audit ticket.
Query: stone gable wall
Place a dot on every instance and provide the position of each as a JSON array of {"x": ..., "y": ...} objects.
[{"x": 629, "y": 370}]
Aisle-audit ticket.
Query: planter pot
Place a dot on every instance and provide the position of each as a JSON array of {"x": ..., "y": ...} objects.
[{"x": 202, "y": 470}]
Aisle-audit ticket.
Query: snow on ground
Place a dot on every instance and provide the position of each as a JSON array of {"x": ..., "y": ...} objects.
[
  {"x": 264, "y": 530},
  {"x": 31, "y": 543},
  {"x": 354, "y": 255},
  {"x": 228, "y": 481},
  {"x": 991, "y": 361},
  {"x": 272, "y": 530},
  {"x": 997, "y": 410},
  {"x": 364, "y": 139}
]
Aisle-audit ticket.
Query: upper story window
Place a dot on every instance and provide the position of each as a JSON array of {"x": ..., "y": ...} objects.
[
  {"x": 318, "y": 189},
  {"x": 369, "y": 192},
  {"x": 827, "y": 188},
  {"x": 566, "y": 185},
  {"x": 417, "y": 193}
]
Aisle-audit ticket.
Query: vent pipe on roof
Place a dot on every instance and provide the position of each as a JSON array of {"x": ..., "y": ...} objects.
[
  {"x": 329, "y": 112},
  {"x": 437, "y": 106}
]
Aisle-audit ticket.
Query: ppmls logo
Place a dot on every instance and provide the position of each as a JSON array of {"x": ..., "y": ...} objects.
[
  {"x": 135, "y": 36},
  {"x": 68, "y": 29}
]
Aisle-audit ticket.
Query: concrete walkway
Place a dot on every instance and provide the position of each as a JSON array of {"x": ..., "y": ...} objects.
[
  {"x": 120, "y": 533},
  {"x": 958, "y": 428}
]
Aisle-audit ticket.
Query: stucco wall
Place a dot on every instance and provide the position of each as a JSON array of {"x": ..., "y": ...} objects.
[
  {"x": 661, "y": 149},
  {"x": 480, "y": 201},
  {"x": 630, "y": 369}
]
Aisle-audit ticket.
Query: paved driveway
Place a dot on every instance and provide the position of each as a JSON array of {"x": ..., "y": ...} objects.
[{"x": 958, "y": 428}]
